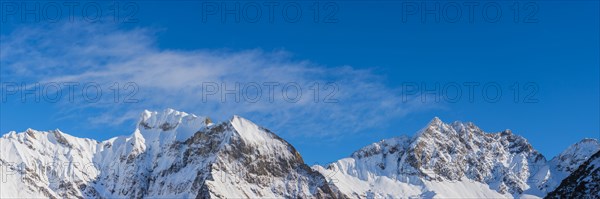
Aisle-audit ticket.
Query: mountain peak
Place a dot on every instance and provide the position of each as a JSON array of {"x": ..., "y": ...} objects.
[
  {"x": 442, "y": 153},
  {"x": 171, "y": 154},
  {"x": 249, "y": 131},
  {"x": 589, "y": 141},
  {"x": 586, "y": 144},
  {"x": 584, "y": 148},
  {"x": 436, "y": 121},
  {"x": 167, "y": 120},
  {"x": 433, "y": 126}
]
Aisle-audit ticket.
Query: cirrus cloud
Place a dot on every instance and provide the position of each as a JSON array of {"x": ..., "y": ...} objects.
[{"x": 78, "y": 52}]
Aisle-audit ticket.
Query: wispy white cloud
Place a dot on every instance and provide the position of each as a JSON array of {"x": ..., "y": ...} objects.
[{"x": 73, "y": 52}]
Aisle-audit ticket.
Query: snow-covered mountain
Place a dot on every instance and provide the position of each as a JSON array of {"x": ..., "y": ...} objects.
[
  {"x": 582, "y": 183},
  {"x": 173, "y": 154},
  {"x": 565, "y": 163},
  {"x": 456, "y": 160},
  {"x": 170, "y": 155}
]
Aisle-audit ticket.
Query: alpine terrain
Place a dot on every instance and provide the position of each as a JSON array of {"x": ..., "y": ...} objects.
[
  {"x": 459, "y": 160},
  {"x": 582, "y": 183},
  {"x": 172, "y": 154}
]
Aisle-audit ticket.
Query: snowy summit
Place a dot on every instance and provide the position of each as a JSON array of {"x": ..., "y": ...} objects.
[{"x": 173, "y": 154}]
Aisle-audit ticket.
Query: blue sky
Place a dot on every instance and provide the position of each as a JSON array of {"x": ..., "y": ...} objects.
[{"x": 372, "y": 52}]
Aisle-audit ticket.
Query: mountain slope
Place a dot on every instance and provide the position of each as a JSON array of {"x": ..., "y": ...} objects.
[
  {"x": 45, "y": 164},
  {"x": 582, "y": 183},
  {"x": 171, "y": 154},
  {"x": 568, "y": 161},
  {"x": 178, "y": 155},
  {"x": 450, "y": 161}
]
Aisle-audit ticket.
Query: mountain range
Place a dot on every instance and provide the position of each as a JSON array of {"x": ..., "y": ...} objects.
[{"x": 173, "y": 154}]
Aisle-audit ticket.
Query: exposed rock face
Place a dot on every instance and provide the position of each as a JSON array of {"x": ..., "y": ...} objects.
[
  {"x": 457, "y": 151},
  {"x": 171, "y": 154},
  {"x": 454, "y": 160}
]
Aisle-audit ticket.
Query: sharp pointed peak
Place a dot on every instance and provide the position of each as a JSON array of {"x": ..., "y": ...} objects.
[
  {"x": 436, "y": 119},
  {"x": 238, "y": 118},
  {"x": 241, "y": 120},
  {"x": 435, "y": 122}
]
